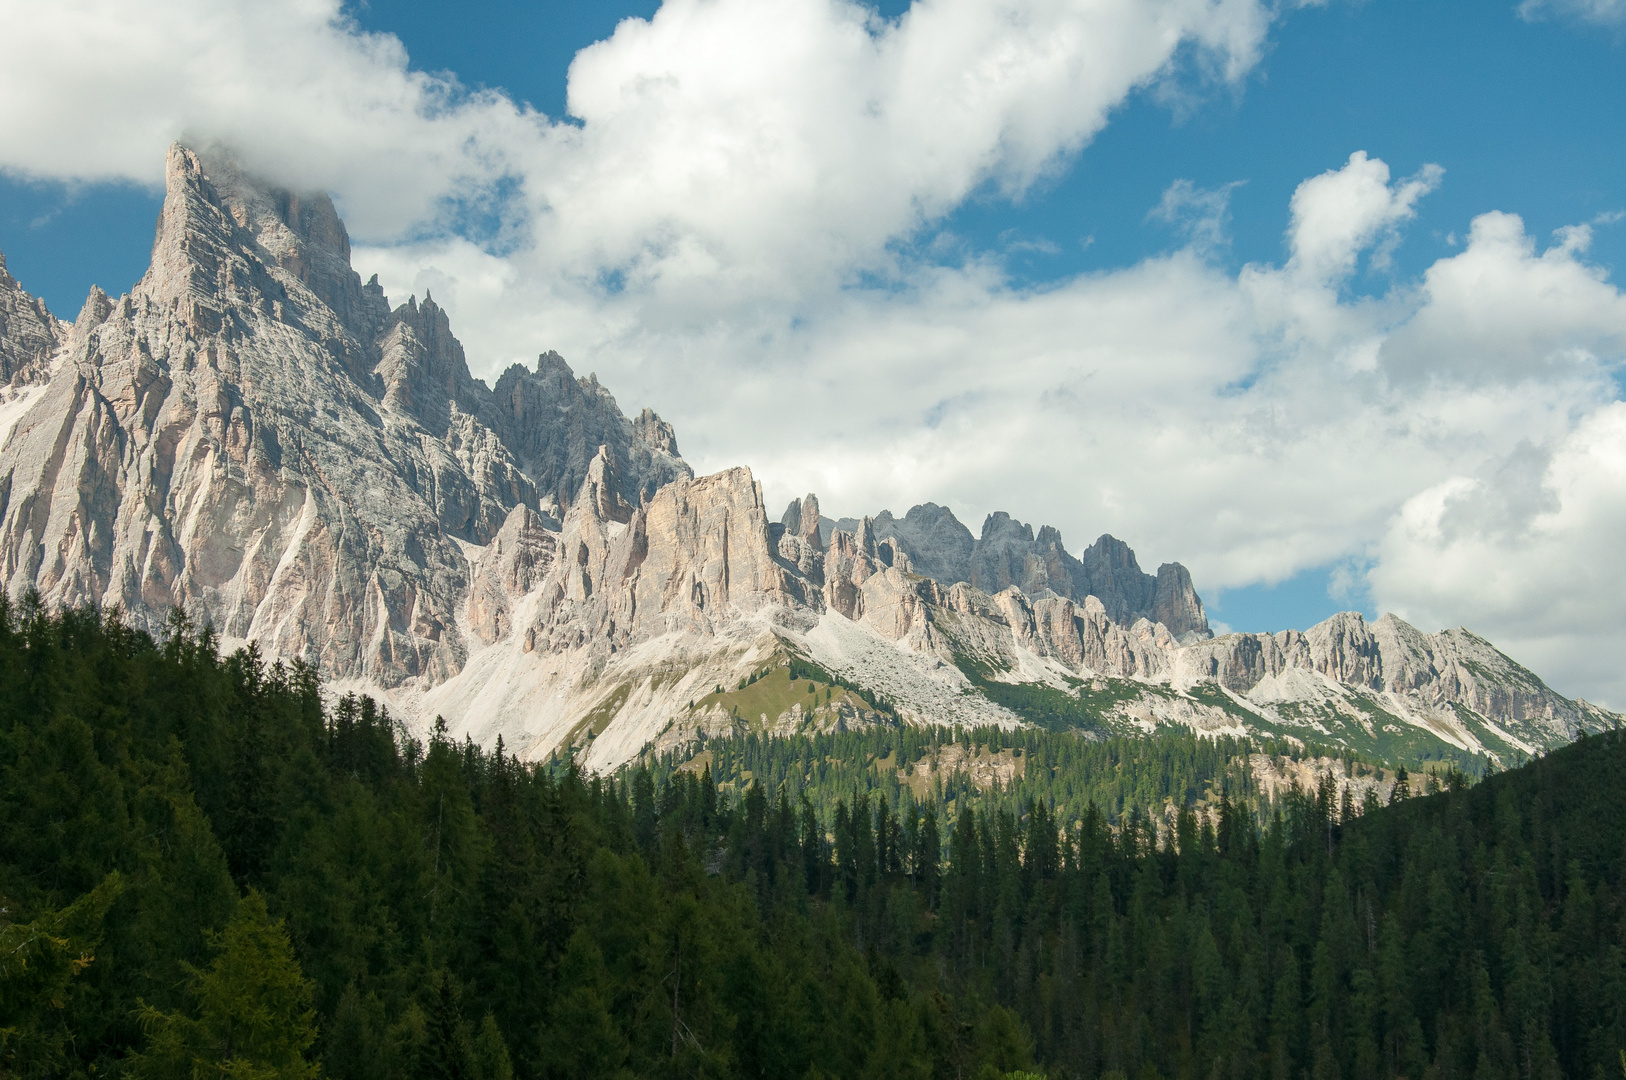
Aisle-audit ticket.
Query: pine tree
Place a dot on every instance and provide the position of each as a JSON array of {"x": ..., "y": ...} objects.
[
  {"x": 489, "y": 1054},
  {"x": 445, "y": 1052},
  {"x": 581, "y": 1040},
  {"x": 254, "y": 1017}
]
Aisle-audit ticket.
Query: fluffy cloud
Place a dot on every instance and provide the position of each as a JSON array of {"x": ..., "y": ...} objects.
[
  {"x": 1500, "y": 312},
  {"x": 1344, "y": 212},
  {"x": 750, "y": 145},
  {"x": 1201, "y": 215},
  {"x": 95, "y": 89},
  {"x": 734, "y": 152},
  {"x": 741, "y": 231},
  {"x": 1251, "y": 425},
  {"x": 1528, "y": 552}
]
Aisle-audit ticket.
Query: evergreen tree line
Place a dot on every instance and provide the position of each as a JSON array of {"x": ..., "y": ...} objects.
[
  {"x": 206, "y": 872},
  {"x": 1125, "y": 778}
]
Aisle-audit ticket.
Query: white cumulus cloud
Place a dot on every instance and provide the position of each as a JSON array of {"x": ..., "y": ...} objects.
[
  {"x": 95, "y": 89},
  {"x": 1345, "y": 212},
  {"x": 1527, "y": 552}
]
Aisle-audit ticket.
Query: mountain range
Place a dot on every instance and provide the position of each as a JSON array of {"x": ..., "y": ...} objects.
[{"x": 255, "y": 436}]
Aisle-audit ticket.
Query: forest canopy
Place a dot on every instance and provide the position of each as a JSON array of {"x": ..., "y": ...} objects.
[{"x": 209, "y": 869}]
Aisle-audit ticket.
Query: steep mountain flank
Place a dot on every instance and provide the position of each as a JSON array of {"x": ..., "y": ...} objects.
[
  {"x": 256, "y": 436},
  {"x": 29, "y": 334},
  {"x": 253, "y": 435}
]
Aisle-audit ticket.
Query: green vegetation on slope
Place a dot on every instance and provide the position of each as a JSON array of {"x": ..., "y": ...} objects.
[
  {"x": 1091, "y": 707},
  {"x": 776, "y": 689},
  {"x": 1084, "y": 708},
  {"x": 988, "y": 769},
  {"x": 204, "y": 872}
]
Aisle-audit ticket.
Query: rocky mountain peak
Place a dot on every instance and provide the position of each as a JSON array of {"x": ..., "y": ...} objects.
[
  {"x": 801, "y": 519},
  {"x": 554, "y": 424},
  {"x": 1007, "y": 555},
  {"x": 228, "y": 244},
  {"x": 422, "y": 366},
  {"x": 1011, "y": 554},
  {"x": 303, "y": 234},
  {"x": 1108, "y": 569},
  {"x": 29, "y": 334},
  {"x": 95, "y": 310},
  {"x": 939, "y": 546},
  {"x": 601, "y": 490},
  {"x": 254, "y": 436},
  {"x": 1176, "y": 605},
  {"x": 656, "y": 433},
  {"x": 1000, "y": 527}
]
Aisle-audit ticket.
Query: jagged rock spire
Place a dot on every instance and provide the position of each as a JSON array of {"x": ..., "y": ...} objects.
[{"x": 29, "y": 334}]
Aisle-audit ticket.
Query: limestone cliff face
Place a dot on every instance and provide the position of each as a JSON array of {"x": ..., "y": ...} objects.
[
  {"x": 518, "y": 559},
  {"x": 930, "y": 541},
  {"x": 555, "y": 423},
  {"x": 937, "y": 544},
  {"x": 253, "y": 435},
  {"x": 1430, "y": 674},
  {"x": 29, "y": 334},
  {"x": 206, "y": 442},
  {"x": 689, "y": 560}
]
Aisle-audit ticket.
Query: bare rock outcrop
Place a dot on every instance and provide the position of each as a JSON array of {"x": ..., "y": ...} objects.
[
  {"x": 1428, "y": 674},
  {"x": 29, "y": 334},
  {"x": 937, "y": 544},
  {"x": 1109, "y": 570},
  {"x": 690, "y": 559},
  {"x": 517, "y": 560},
  {"x": 1010, "y": 554},
  {"x": 1007, "y": 554},
  {"x": 554, "y": 424},
  {"x": 253, "y": 435}
]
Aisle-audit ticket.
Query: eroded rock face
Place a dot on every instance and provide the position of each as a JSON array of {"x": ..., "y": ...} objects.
[
  {"x": 518, "y": 559},
  {"x": 253, "y": 435},
  {"x": 554, "y": 424},
  {"x": 1010, "y": 555},
  {"x": 937, "y": 544},
  {"x": 206, "y": 443},
  {"x": 29, "y": 334},
  {"x": 1430, "y": 672},
  {"x": 1007, "y": 555}
]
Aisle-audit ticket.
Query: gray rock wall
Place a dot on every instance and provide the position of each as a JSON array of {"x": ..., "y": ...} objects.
[{"x": 254, "y": 436}]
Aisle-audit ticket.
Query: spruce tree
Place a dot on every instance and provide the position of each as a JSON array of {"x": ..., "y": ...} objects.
[{"x": 253, "y": 1017}]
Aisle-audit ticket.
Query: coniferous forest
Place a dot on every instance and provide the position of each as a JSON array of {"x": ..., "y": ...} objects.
[{"x": 205, "y": 871}]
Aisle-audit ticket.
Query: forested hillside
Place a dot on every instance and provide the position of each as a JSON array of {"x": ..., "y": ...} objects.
[
  {"x": 205, "y": 872},
  {"x": 952, "y": 771}
]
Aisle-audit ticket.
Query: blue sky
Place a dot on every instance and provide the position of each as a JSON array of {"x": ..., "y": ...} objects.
[{"x": 1521, "y": 110}]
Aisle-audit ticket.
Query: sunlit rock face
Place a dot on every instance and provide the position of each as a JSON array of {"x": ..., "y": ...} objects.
[
  {"x": 29, "y": 334},
  {"x": 255, "y": 436}
]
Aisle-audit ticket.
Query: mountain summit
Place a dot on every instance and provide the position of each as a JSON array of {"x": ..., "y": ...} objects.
[{"x": 256, "y": 436}]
